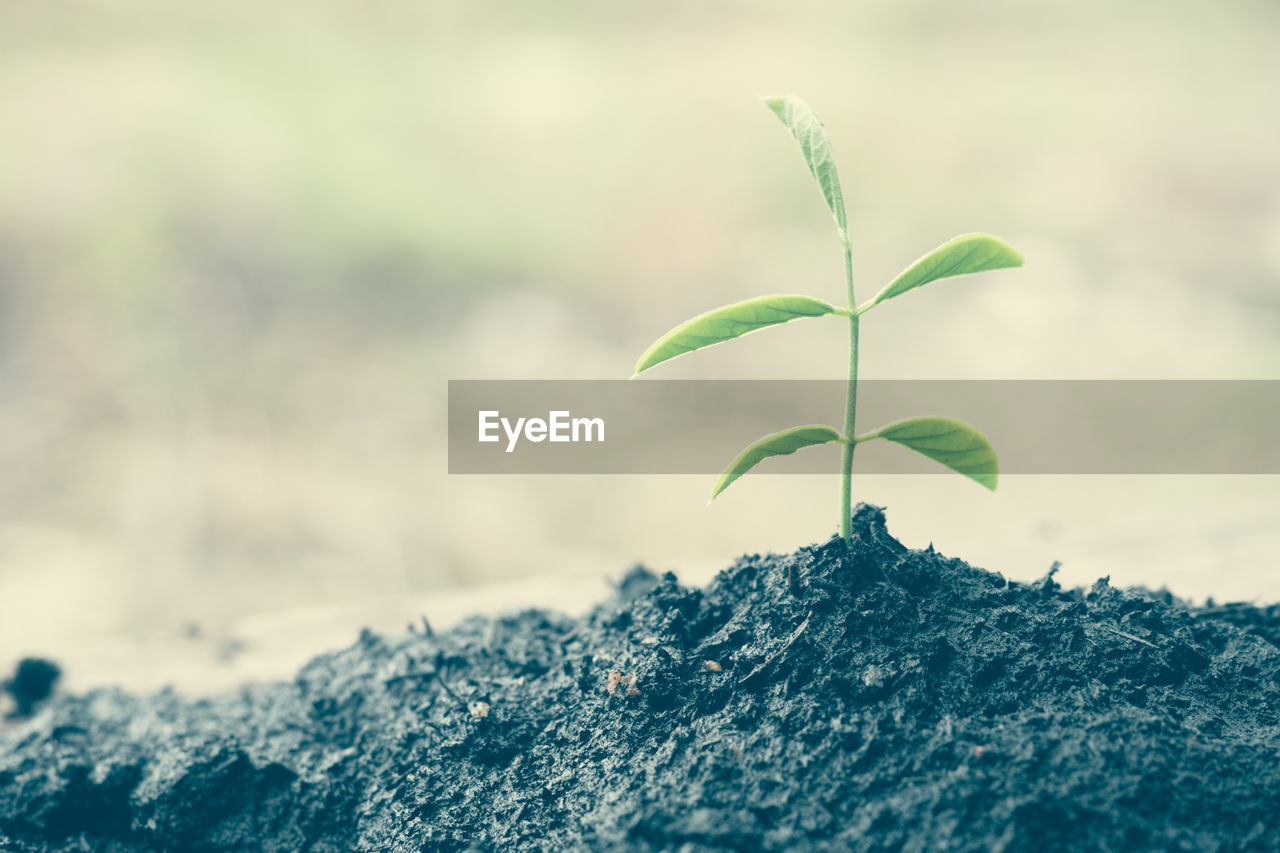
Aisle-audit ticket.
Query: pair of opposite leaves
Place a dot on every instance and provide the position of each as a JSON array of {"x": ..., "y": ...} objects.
[{"x": 950, "y": 442}]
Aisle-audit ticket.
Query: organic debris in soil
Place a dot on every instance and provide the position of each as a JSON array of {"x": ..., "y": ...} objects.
[
  {"x": 33, "y": 682},
  {"x": 903, "y": 700}
]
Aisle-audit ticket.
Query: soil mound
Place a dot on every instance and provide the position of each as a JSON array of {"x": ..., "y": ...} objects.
[{"x": 872, "y": 698}]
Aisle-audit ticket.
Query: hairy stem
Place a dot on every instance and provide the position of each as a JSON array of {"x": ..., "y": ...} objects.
[{"x": 850, "y": 401}]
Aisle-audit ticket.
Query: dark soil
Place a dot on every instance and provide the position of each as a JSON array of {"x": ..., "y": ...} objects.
[
  {"x": 904, "y": 700},
  {"x": 32, "y": 683}
]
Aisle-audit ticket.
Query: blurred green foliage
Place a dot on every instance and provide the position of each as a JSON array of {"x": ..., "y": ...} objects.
[{"x": 242, "y": 244}]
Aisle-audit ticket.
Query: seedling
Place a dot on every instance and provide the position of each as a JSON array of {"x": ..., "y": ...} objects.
[{"x": 956, "y": 445}]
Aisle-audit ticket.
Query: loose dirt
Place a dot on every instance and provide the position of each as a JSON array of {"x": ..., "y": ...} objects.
[{"x": 872, "y": 698}]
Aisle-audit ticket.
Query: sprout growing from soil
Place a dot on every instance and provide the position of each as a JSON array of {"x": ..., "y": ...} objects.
[{"x": 954, "y": 444}]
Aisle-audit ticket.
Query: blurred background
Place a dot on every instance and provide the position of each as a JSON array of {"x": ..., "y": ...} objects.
[{"x": 243, "y": 246}]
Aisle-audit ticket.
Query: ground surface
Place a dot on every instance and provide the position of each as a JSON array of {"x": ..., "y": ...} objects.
[{"x": 901, "y": 700}]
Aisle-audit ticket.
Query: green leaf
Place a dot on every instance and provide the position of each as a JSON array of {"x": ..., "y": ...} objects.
[
  {"x": 968, "y": 253},
  {"x": 955, "y": 444},
  {"x": 778, "y": 444},
  {"x": 732, "y": 321},
  {"x": 808, "y": 131}
]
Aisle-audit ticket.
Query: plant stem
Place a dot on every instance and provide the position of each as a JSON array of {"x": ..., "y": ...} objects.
[{"x": 850, "y": 401}]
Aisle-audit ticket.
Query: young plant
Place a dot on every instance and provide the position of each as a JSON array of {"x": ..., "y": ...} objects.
[{"x": 956, "y": 445}]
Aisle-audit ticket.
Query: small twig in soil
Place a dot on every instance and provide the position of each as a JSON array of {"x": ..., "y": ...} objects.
[
  {"x": 444, "y": 685},
  {"x": 407, "y": 676},
  {"x": 1128, "y": 636},
  {"x": 795, "y": 582},
  {"x": 410, "y": 676},
  {"x": 795, "y": 635},
  {"x": 1233, "y": 607}
]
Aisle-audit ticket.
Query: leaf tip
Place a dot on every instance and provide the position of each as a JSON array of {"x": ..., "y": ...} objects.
[
  {"x": 1011, "y": 257},
  {"x": 990, "y": 477},
  {"x": 777, "y": 104}
]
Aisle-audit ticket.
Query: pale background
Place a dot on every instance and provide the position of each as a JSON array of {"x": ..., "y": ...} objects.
[{"x": 243, "y": 246}]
